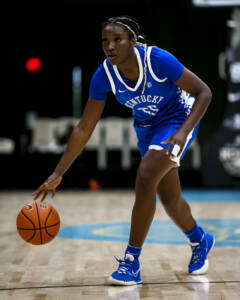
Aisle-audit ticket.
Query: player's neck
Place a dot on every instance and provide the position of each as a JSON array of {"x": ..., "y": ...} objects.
[{"x": 130, "y": 68}]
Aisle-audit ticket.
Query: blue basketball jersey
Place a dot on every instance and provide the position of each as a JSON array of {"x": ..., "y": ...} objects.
[{"x": 154, "y": 97}]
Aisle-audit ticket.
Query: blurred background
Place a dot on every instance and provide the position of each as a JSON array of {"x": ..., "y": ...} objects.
[{"x": 50, "y": 52}]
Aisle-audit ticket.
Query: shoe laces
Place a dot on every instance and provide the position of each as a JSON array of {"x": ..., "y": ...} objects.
[
  {"x": 197, "y": 253},
  {"x": 125, "y": 263}
]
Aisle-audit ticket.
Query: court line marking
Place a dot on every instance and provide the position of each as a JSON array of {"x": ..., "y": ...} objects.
[
  {"x": 214, "y": 195},
  {"x": 108, "y": 285}
]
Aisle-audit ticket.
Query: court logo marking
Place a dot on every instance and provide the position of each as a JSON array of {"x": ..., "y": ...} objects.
[{"x": 226, "y": 232}]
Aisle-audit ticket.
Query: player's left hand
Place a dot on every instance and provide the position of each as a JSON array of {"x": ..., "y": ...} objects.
[{"x": 176, "y": 144}]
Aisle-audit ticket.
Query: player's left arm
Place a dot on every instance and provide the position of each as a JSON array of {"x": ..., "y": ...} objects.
[{"x": 192, "y": 84}]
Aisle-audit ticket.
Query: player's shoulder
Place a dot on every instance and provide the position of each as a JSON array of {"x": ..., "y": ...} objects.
[
  {"x": 100, "y": 68},
  {"x": 100, "y": 72},
  {"x": 154, "y": 51},
  {"x": 158, "y": 53}
]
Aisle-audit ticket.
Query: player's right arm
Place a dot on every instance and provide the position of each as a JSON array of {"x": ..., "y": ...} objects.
[{"x": 78, "y": 139}]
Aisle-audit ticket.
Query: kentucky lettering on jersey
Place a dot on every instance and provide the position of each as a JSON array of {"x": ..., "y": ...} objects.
[
  {"x": 161, "y": 98},
  {"x": 142, "y": 99}
]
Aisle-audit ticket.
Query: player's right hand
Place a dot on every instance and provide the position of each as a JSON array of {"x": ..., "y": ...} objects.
[{"x": 49, "y": 185}]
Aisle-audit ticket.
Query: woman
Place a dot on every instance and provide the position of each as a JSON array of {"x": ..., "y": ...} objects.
[{"x": 167, "y": 101}]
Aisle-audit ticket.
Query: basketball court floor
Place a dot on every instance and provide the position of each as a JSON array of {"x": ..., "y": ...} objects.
[{"x": 95, "y": 228}]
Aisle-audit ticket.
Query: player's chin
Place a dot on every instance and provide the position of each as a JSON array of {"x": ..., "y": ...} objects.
[{"x": 113, "y": 59}]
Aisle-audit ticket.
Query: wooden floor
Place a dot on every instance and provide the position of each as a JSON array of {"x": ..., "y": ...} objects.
[{"x": 77, "y": 268}]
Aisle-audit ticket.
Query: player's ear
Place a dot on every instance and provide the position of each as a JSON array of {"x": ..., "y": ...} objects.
[{"x": 133, "y": 42}]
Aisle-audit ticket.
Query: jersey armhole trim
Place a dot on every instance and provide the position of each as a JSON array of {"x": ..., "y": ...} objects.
[
  {"x": 109, "y": 77},
  {"x": 150, "y": 67}
]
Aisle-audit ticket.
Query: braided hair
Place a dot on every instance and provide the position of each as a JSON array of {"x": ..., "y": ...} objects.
[{"x": 130, "y": 24}]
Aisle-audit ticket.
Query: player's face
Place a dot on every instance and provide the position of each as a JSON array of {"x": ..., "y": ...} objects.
[{"x": 116, "y": 44}]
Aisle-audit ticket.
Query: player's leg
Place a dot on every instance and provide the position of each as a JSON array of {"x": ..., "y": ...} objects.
[
  {"x": 153, "y": 167},
  {"x": 170, "y": 194}
]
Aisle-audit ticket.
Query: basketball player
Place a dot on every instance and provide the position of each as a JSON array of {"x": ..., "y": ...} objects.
[{"x": 167, "y": 102}]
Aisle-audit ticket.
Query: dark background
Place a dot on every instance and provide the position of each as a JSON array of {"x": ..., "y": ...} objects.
[{"x": 68, "y": 34}]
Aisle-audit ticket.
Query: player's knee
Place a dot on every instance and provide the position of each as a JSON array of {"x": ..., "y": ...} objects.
[{"x": 145, "y": 172}]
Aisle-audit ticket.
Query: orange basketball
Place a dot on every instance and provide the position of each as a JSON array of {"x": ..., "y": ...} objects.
[{"x": 38, "y": 222}]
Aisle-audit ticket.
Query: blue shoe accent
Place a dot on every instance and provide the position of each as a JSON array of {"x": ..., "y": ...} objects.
[
  {"x": 128, "y": 272},
  {"x": 199, "y": 262}
]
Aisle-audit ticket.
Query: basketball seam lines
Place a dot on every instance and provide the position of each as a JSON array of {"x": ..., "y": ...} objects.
[
  {"x": 39, "y": 222},
  {"x": 39, "y": 228},
  {"x": 46, "y": 223},
  {"x": 32, "y": 224}
]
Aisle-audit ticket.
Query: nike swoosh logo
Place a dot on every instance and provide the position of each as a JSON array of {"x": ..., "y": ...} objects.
[
  {"x": 135, "y": 274},
  {"x": 122, "y": 91}
]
